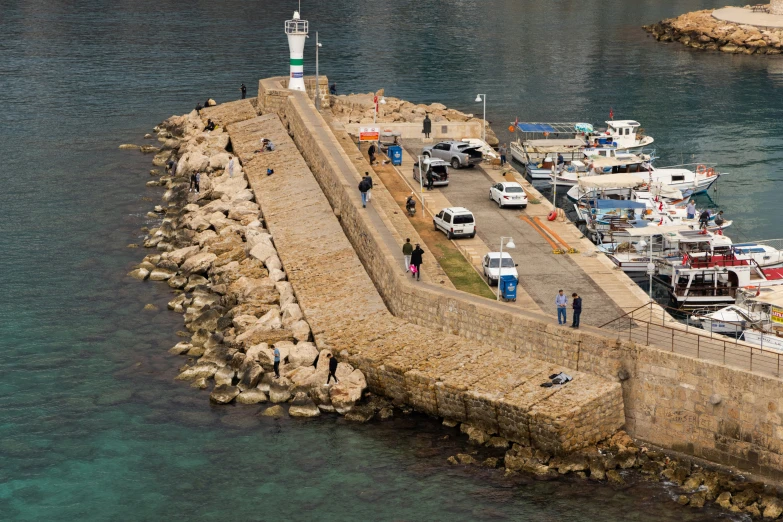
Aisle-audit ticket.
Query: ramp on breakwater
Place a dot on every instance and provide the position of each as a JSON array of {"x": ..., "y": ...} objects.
[{"x": 438, "y": 373}]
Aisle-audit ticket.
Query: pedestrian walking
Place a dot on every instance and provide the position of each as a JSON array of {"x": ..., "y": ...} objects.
[
  {"x": 332, "y": 369},
  {"x": 276, "y": 364},
  {"x": 427, "y": 125},
  {"x": 502, "y": 150},
  {"x": 364, "y": 186},
  {"x": 430, "y": 179},
  {"x": 407, "y": 250},
  {"x": 690, "y": 210},
  {"x": 231, "y": 166},
  {"x": 417, "y": 258},
  {"x": 576, "y": 302},
  {"x": 369, "y": 182},
  {"x": 244, "y": 91},
  {"x": 561, "y": 301},
  {"x": 192, "y": 182},
  {"x": 371, "y": 152},
  {"x": 198, "y": 181}
]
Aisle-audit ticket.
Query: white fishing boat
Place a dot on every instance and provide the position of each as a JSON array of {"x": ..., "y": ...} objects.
[
  {"x": 683, "y": 179},
  {"x": 624, "y": 135},
  {"x": 745, "y": 313},
  {"x": 768, "y": 335}
]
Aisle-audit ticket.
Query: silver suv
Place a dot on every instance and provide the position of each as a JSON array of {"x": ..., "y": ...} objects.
[{"x": 458, "y": 153}]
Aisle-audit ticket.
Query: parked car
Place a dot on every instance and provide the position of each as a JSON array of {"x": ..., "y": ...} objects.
[
  {"x": 439, "y": 168},
  {"x": 492, "y": 266},
  {"x": 455, "y": 222},
  {"x": 507, "y": 194},
  {"x": 457, "y": 153}
]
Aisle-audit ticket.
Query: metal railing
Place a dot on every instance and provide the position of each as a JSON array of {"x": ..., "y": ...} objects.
[{"x": 651, "y": 325}]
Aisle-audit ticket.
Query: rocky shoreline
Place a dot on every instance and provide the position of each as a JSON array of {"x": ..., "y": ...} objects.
[
  {"x": 213, "y": 250},
  {"x": 700, "y": 30}
]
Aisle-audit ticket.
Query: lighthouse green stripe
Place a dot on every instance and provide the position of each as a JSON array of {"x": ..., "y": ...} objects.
[{"x": 297, "y": 61}]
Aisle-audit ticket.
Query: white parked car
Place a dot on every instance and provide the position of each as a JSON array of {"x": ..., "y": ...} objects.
[
  {"x": 508, "y": 194},
  {"x": 455, "y": 222},
  {"x": 492, "y": 266}
]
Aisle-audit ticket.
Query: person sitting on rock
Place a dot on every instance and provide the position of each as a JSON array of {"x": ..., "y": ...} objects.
[{"x": 210, "y": 125}]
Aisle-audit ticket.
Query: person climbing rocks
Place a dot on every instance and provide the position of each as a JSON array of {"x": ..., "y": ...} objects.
[
  {"x": 364, "y": 186},
  {"x": 276, "y": 364},
  {"x": 416, "y": 261},
  {"x": 198, "y": 181},
  {"x": 231, "y": 166},
  {"x": 561, "y": 301},
  {"x": 192, "y": 182},
  {"x": 244, "y": 91},
  {"x": 171, "y": 166},
  {"x": 332, "y": 369},
  {"x": 577, "y": 306},
  {"x": 427, "y": 125},
  {"x": 407, "y": 250}
]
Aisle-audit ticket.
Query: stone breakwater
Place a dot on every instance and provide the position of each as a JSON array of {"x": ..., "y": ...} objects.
[
  {"x": 700, "y": 30},
  {"x": 231, "y": 286}
]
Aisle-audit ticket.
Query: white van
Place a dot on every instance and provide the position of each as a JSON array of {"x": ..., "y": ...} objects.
[{"x": 455, "y": 222}]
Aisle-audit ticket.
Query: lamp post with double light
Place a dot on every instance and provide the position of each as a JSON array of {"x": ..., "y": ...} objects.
[{"x": 483, "y": 98}]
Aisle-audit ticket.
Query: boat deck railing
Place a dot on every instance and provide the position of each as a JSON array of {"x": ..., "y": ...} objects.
[{"x": 652, "y": 325}]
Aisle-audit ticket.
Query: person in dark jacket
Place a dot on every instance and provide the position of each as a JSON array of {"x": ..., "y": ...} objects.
[
  {"x": 332, "y": 369},
  {"x": 371, "y": 152},
  {"x": 369, "y": 182},
  {"x": 333, "y": 89},
  {"x": 704, "y": 218},
  {"x": 364, "y": 186},
  {"x": 427, "y": 129},
  {"x": 244, "y": 91},
  {"x": 577, "y": 304},
  {"x": 198, "y": 108},
  {"x": 417, "y": 258},
  {"x": 430, "y": 179}
]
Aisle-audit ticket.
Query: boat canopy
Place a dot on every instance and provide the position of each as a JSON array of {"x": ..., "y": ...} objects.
[
  {"x": 616, "y": 203},
  {"x": 553, "y": 128},
  {"x": 611, "y": 181},
  {"x": 555, "y": 143},
  {"x": 601, "y": 162},
  {"x": 663, "y": 230},
  {"x": 667, "y": 191},
  {"x": 584, "y": 127},
  {"x": 774, "y": 298}
]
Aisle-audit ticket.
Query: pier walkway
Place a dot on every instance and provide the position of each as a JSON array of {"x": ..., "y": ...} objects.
[{"x": 438, "y": 373}]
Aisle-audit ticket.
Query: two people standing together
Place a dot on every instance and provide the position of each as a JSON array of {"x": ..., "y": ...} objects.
[
  {"x": 413, "y": 258},
  {"x": 561, "y": 301}
]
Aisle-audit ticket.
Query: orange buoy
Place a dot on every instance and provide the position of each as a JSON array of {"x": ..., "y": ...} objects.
[
  {"x": 701, "y": 169},
  {"x": 552, "y": 216},
  {"x": 510, "y": 128},
  {"x": 710, "y": 172}
]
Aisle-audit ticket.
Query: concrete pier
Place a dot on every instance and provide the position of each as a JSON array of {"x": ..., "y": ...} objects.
[{"x": 438, "y": 373}]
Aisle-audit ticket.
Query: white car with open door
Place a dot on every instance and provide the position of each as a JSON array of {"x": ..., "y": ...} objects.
[
  {"x": 492, "y": 267},
  {"x": 508, "y": 194},
  {"x": 455, "y": 222}
]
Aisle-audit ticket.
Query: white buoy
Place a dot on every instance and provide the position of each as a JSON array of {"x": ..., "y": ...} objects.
[{"x": 296, "y": 29}]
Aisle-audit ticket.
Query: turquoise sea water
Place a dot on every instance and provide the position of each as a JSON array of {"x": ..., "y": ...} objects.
[{"x": 92, "y": 425}]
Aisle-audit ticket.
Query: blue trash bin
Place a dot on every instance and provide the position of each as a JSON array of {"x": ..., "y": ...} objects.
[
  {"x": 508, "y": 287},
  {"x": 395, "y": 155}
]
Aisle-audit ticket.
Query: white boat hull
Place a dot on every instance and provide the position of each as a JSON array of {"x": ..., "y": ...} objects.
[{"x": 765, "y": 341}]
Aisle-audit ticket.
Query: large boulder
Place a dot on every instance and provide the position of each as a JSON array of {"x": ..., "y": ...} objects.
[
  {"x": 253, "y": 396},
  {"x": 291, "y": 314},
  {"x": 262, "y": 251},
  {"x": 180, "y": 255},
  {"x": 225, "y": 375},
  {"x": 251, "y": 377},
  {"x": 300, "y": 331},
  {"x": 198, "y": 263},
  {"x": 207, "y": 320},
  {"x": 280, "y": 390},
  {"x": 303, "y": 406},
  {"x": 260, "y": 290},
  {"x": 302, "y": 354},
  {"x": 206, "y": 370},
  {"x": 223, "y": 394}
]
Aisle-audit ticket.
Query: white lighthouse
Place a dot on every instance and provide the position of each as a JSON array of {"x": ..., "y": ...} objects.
[{"x": 296, "y": 30}]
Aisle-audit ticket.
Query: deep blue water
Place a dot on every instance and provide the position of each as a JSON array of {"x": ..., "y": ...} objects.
[{"x": 92, "y": 425}]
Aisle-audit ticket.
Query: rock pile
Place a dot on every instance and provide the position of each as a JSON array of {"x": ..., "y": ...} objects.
[
  {"x": 360, "y": 108},
  {"x": 617, "y": 460},
  {"x": 700, "y": 30},
  {"x": 231, "y": 287}
]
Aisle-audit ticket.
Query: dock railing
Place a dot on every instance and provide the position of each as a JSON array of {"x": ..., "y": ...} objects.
[{"x": 652, "y": 325}]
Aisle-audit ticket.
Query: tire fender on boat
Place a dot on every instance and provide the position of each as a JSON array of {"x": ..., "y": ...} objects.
[{"x": 552, "y": 216}]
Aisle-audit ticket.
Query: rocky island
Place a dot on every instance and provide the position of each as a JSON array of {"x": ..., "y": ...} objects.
[{"x": 734, "y": 30}]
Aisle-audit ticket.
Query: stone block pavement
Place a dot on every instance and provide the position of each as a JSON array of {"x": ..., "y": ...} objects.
[{"x": 439, "y": 374}]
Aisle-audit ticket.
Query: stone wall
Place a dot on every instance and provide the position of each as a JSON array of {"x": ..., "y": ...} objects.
[{"x": 668, "y": 398}]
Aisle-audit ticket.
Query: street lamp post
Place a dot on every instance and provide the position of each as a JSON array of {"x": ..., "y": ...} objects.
[
  {"x": 509, "y": 244},
  {"x": 479, "y": 99},
  {"x": 317, "y": 89},
  {"x": 421, "y": 186},
  {"x": 376, "y": 101}
]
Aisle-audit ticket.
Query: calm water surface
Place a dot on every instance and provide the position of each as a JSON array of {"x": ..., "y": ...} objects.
[{"x": 92, "y": 425}]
